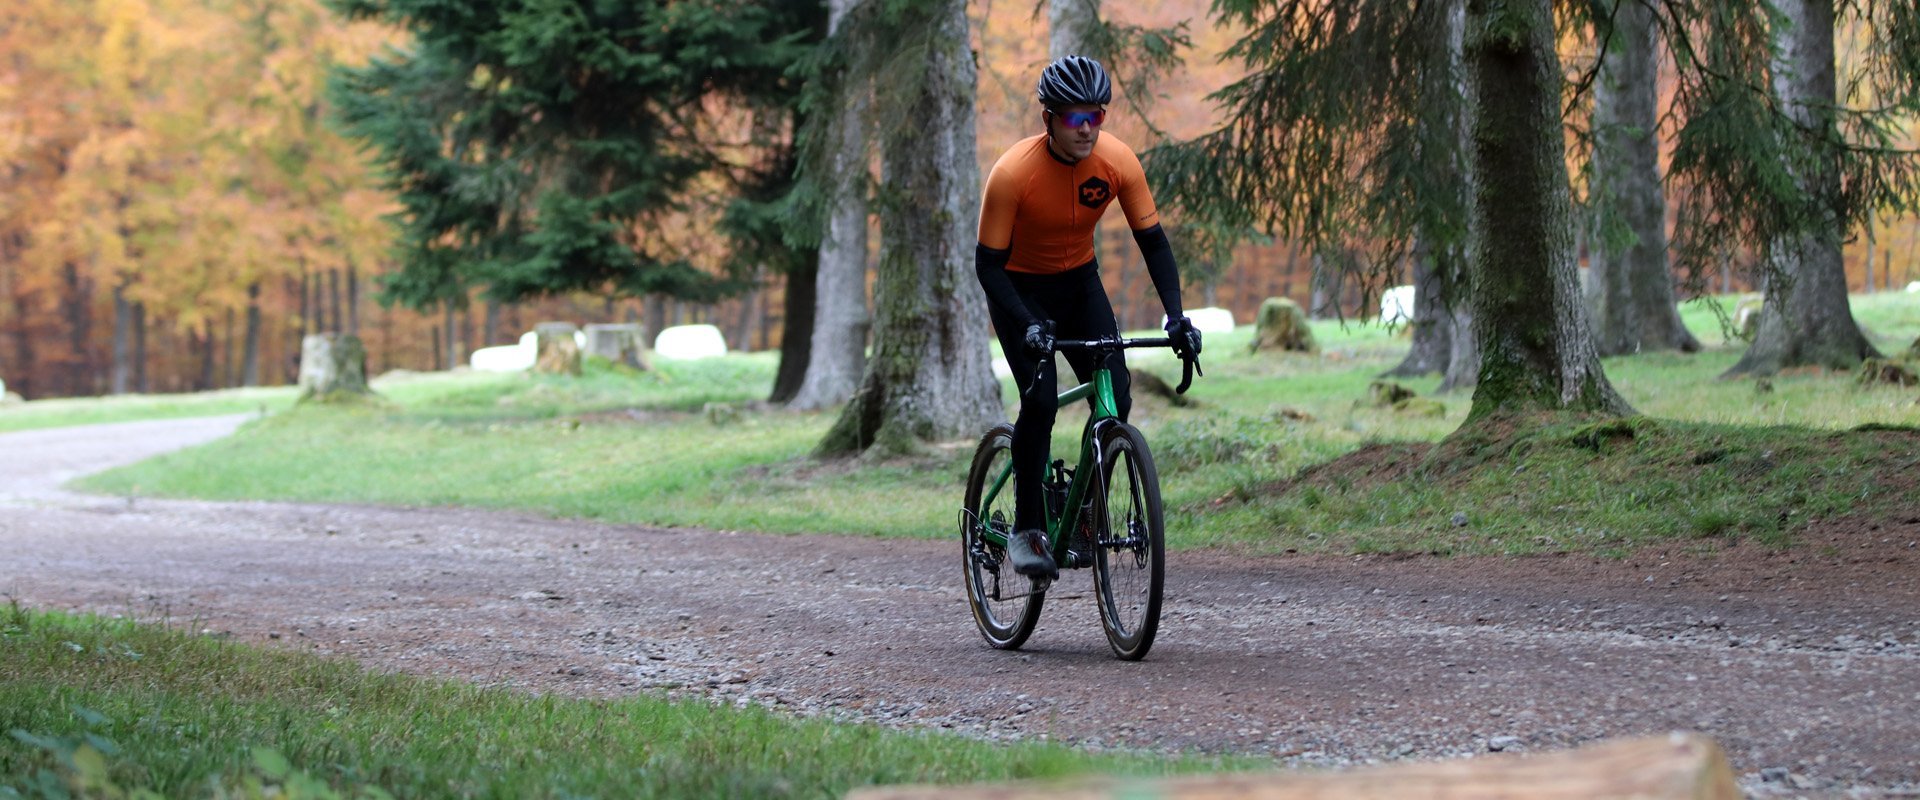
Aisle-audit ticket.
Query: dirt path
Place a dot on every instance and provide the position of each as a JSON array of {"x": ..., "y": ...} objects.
[{"x": 1806, "y": 666}]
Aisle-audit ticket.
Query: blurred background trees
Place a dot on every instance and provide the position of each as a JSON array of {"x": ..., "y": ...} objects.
[{"x": 183, "y": 198}]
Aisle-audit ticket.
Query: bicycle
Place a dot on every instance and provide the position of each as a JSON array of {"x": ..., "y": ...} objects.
[{"x": 1127, "y": 562}]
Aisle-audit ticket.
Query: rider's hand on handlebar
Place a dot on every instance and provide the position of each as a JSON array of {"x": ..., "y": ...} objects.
[
  {"x": 1038, "y": 341},
  {"x": 1186, "y": 338}
]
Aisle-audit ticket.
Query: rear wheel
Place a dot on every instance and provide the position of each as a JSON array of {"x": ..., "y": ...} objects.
[
  {"x": 1128, "y": 555},
  {"x": 1005, "y": 605}
]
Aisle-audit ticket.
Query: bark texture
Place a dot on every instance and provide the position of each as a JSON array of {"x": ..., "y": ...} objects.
[
  {"x": 250, "y": 351},
  {"x": 122, "y": 339},
  {"x": 840, "y": 318},
  {"x": 796, "y": 342},
  {"x": 333, "y": 367},
  {"x": 929, "y": 378},
  {"x": 1453, "y": 268},
  {"x": 1631, "y": 287},
  {"x": 556, "y": 351},
  {"x": 1807, "y": 320},
  {"x": 1536, "y": 352},
  {"x": 1070, "y": 27},
  {"x": 1432, "y": 325}
]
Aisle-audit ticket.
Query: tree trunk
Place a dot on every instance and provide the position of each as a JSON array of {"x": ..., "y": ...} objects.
[
  {"x": 25, "y": 357},
  {"x": 1071, "y": 28},
  {"x": 490, "y": 324},
  {"x": 122, "y": 339},
  {"x": 466, "y": 330},
  {"x": 333, "y": 300},
  {"x": 80, "y": 331},
  {"x": 449, "y": 336},
  {"x": 1432, "y": 325},
  {"x": 1806, "y": 320},
  {"x": 840, "y": 316},
  {"x": 929, "y": 378},
  {"x": 1317, "y": 287},
  {"x": 1631, "y": 290},
  {"x": 140, "y": 348},
  {"x": 1536, "y": 352},
  {"x": 306, "y": 304},
  {"x": 250, "y": 355},
  {"x": 798, "y": 329},
  {"x": 229, "y": 374},
  {"x": 353, "y": 299},
  {"x": 205, "y": 343},
  {"x": 1454, "y": 262}
]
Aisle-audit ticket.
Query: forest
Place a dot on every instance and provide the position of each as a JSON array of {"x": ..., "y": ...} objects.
[{"x": 185, "y": 197}]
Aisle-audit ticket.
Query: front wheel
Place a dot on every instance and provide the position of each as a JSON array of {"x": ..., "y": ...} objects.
[
  {"x": 1128, "y": 565},
  {"x": 1005, "y": 606}
]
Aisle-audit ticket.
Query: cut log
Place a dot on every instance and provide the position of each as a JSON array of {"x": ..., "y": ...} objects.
[
  {"x": 623, "y": 343},
  {"x": 333, "y": 368},
  {"x": 1654, "y": 768},
  {"x": 1281, "y": 325},
  {"x": 559, "y": 350}
]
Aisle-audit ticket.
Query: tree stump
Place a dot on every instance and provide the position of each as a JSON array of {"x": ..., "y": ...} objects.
[
  {"x": 559, "y": 352},
  {"x": 1653, "y": 768},
  {"x": 1281, "y": 325},
  {"x": 624, "y": 343},
  {"x": 333, "y": 368},
  {"x": 1387, "y": 393}
]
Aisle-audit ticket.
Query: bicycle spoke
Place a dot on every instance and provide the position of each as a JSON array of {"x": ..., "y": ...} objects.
[
  {"x": 1128, "y": 571},
  {"x": 1005, "y": 605}
]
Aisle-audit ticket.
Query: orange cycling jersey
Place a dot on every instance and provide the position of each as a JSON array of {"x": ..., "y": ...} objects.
[{"x": 1044, "y": 209}]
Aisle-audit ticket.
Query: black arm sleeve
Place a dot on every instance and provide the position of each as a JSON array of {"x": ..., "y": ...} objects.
[
  {"x": 991, "y": 267},
  {"x": 1160, "y": 266}
]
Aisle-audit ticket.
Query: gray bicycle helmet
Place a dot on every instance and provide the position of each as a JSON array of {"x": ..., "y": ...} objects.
[{"x": 1075, "y": 81}]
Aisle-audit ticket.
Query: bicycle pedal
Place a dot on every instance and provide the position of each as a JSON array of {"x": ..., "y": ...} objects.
[{"x": 1079, "y": 560}]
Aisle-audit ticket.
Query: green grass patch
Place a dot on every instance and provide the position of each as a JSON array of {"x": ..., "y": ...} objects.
[
  {"x": 105, "y": 708},
  {"x": 1560, "y": 484},
  {"x": 639, "y": 447},
  {"x": 63, "y": 412}
]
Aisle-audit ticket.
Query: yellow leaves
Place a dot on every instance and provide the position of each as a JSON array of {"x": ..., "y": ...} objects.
[{"x": 182, "y": 142}]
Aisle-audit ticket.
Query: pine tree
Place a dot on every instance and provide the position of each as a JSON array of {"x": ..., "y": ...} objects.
[{"x": 545, "y": 149}]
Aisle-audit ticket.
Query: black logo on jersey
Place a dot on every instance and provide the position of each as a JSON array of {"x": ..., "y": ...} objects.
[{"x": 1094, "y": 193}]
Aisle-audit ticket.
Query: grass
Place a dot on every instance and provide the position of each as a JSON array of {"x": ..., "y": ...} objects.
[
  {"x": 97, "y": 705},
  {"x": 637, "y": 448},
  {"x": 63, "y": 412}
]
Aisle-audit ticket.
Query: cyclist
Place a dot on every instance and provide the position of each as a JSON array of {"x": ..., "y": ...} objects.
[{"x": 1036, "y": 262}]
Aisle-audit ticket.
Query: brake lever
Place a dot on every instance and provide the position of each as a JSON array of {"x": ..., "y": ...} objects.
[{"x": 1188, "y": 368}]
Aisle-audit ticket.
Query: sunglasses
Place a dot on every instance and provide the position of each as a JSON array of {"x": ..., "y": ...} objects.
[{"x": 1075, "y": 119}]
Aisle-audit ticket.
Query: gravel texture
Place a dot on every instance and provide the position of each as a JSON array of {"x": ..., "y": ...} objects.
[{"x": 1804, "y": 665}]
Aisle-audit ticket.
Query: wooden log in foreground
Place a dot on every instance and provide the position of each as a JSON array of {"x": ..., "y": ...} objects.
[{"x": 1681, "y": 765}]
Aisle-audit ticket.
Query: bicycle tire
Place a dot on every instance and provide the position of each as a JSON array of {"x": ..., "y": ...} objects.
[
  {"x": 1005, "y": 624},
  {"x": 1129, "y": 568}
]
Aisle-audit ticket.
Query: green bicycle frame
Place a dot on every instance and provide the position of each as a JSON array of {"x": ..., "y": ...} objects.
[{"x": 1104, "y": 412}]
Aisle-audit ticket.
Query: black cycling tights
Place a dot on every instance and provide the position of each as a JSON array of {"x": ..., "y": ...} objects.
[{"x": 1077, "y": 303}]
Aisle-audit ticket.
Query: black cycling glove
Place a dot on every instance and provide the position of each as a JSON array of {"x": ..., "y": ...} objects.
[
  {"x": 1038, "y": 341},
  {"x": 1186, "y": 338}
]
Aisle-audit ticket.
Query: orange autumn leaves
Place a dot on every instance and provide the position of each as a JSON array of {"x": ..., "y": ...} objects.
[{"x": 177, "y": 149}]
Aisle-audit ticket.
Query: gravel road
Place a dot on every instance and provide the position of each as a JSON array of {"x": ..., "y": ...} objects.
[{"x": 1804, "y": 665}]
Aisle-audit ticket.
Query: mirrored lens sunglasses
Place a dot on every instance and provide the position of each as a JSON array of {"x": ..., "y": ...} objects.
[{"x": 1075, "y": 119}]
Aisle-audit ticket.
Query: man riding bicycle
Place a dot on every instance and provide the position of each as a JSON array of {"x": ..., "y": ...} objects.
[{"x": 1036, "y": 262}]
